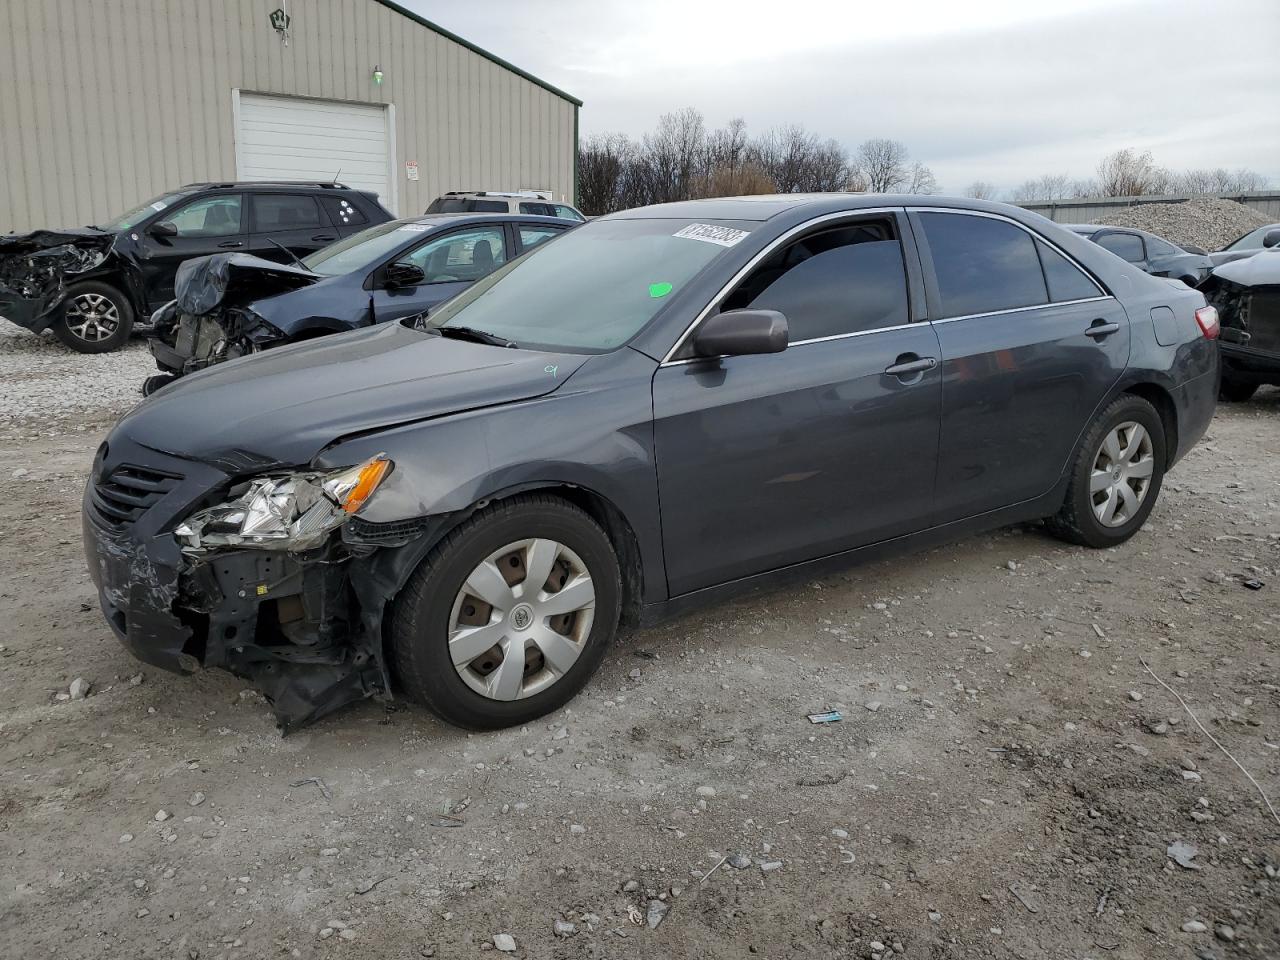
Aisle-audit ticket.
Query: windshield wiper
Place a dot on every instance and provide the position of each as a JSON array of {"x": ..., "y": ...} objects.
[
  {"x": 290, "y": 253},
  {"x": 479, "y": 336}
]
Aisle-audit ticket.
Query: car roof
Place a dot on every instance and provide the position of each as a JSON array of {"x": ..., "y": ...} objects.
[
  {"x": 452, "y": 219},
  {"x": 267, "y": 185},
  {"x": 767, "y": 206}
]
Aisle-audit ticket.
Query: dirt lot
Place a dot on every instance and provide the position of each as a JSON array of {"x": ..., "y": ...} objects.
[{"x": 1006, "y": 782}]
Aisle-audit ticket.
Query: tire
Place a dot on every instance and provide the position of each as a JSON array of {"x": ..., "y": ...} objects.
[
  {"x": 436, "y": 602},
  {"x": 1078, "y": 520},
  {"x": 1236, "y": 391},
  {"x": 95, "y": 318}
]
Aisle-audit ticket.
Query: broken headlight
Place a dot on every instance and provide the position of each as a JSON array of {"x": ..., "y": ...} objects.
[{"x": 295, "y": 511}]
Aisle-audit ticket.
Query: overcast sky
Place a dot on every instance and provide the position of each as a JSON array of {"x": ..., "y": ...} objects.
[{"x": 998, "y": 90}]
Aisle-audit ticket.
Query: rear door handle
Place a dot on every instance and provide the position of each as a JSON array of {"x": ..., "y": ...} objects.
[
  {"x": 324, "y": 238},
  {"x": 905, "y": 367},
  {"x": 227, "y": 245},
  {"x": 1100, "y": 328}
]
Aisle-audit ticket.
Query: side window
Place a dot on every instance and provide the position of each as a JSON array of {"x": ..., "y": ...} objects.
[
  {"x": 1158, "y": 248},
  {"x": 982, "y": 265},
  {"x": 487, "y": 206},
  {"x": 538, "y": 209},
  {"x": 839, "y": 281},
  {"x": 1064, "y": 278},
  {"x": 1127, "y": 246},
  {"x": 567, "y": 213},
  {"x": 464, "y": 255},
  {"x": 283, "y": 211},
  {"x": 530, "y": 237},
  {"x": 342, "y": 212},
  {"x": 211, "y": 217}
]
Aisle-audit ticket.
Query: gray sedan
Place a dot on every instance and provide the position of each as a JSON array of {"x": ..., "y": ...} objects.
[{"x": 663, "y": 408}]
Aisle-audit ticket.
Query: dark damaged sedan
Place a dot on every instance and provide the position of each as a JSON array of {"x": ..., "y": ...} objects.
[
  {"x": 662, "y": 407},
  {"x": 230, "y": 305}
]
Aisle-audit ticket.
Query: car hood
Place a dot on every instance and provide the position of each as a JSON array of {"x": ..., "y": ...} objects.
[
  {"x": 283, "y": 406},
  {"x": 1262, "y": 270},
  {"x": 232, "y": 279}
]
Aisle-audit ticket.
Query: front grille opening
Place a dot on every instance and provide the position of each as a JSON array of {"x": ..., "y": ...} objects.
[{"x": 122, "y": 496}]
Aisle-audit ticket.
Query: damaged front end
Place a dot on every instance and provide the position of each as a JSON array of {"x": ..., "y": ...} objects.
[
  {"x": 1246, "y": 294},
  {"x": 36, "y": 269},
  {"x": 211, "y": 319},
  {"x": 270, "y": 582}
]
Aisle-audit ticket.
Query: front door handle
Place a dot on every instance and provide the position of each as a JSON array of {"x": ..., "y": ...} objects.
[
  {"x": 227, "y": 245},
  {"x": 324, "y": 238},
  {"x": 909, "y": 364},
  {"x": 1100, "y": 328}
]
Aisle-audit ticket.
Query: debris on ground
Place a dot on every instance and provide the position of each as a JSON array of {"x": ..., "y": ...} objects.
[
  {"x": 830, "y": 716},
  {"x": 1204, "y": 222},
  {"x": 1182, "y": 853}
]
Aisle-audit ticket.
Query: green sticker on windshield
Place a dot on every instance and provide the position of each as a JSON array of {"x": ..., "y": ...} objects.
[{"x": 659, "y": 290}]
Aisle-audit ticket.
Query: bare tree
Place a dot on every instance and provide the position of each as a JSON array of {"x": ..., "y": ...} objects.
[
  {"x": 727, "y": 147},
  {"x": 605, "y": 162},
  {"x": 672, "y": 156},
  {"x": 1219, "y": 181},
  {"x": 1127, "y": 173},
  {"x": 882, "y": 164},
  {"x": 981, "y": 190},
  {"x": 1050, "y": 186},
  {"x": 921, "y": 180},
  {"x": 741, "y": 181}
]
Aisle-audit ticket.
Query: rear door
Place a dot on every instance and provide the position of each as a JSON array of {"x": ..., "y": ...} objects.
[
  {"x": 210, "y": 224},
  {"x": 451, "y": 262},
  {"x": 293, "y": 220},
  {"x": 345, "y": 217},
  {"x": 765, "y": 461},
  {"x": 1031, "y": 345}
]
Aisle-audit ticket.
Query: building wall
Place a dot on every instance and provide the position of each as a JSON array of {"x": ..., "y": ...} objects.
[
  {"x": 105, "y": 103},
  {"x": 1086, "y": 211}
]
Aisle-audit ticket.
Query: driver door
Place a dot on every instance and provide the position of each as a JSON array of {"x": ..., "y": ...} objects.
[
  {"x": 213, "y": 224},
  {"x": 450, "y": 263}
]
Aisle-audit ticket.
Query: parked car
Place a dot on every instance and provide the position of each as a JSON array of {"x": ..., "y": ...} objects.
[
  {"x": 92, "y": 284},
  {"x": 483, "y": 201},
  {"x": 1246, "y": 294},
  {"x": 1255, "y": 241},
  {"x": 1147, "y": 252},
  {"x": 229, "y": 305},
  {"x": 663, "y": 407}
]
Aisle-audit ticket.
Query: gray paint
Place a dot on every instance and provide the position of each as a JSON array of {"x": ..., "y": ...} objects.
[{"x": 109, "y": 102}]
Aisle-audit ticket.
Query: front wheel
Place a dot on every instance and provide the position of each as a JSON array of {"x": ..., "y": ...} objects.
[
  {"x": 509, "y": 615},
  {"x": 96, "y": 318},
  {"x": 1115, "y": 476}
]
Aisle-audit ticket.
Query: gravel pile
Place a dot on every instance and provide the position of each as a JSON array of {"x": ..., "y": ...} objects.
[
  {"x": 47, "y": 385},
  {"x": 1207, "y": 222}
]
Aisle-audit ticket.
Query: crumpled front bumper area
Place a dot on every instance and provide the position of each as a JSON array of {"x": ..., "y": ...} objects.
[
  {"x": 36, "y": 267},
  {"x": 293, "y": 624}
]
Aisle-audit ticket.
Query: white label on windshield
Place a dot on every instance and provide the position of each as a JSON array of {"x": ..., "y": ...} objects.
[
  {"x": 157, "y": 205},
  {"x": 723, "y": 236},
  {"x": 413, "y": 228}
]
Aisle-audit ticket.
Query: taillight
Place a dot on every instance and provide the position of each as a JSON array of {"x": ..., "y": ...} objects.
[{"x": 1207, "y": 317}]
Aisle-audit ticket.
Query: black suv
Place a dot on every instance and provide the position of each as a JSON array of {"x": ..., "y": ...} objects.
[{"x": 91, "y": 284}]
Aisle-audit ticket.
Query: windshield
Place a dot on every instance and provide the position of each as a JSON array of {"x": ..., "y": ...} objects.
[
  {"x": 594, "y": 288},
  {"x": 1252, "y": 239},
  {"x": 129, "y": 220},
  {"x": 363, "y": 250}
]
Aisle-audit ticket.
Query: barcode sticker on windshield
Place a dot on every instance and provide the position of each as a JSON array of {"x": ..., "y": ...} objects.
[
  {"x": 158, "y": 205},
  {"x": 709, "y": 233},
  {"x": 413, "y": 228}
]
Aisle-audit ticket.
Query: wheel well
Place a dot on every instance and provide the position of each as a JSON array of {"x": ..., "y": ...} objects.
[{"x": 1159, "y": 398}]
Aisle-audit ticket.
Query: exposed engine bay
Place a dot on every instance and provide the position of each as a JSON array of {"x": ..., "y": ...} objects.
[
  {"x": 210, "y": 319},
  {"x": 36, "y": 268}
]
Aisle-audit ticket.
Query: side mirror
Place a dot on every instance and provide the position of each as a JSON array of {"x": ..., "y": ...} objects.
[
  {"x": 739, "y": 332},
  {"x": 404, "y": 274},
  {"x": 163, "y": 228},
  {"x": 1192, "y": 248},
  {"x": 1272, "y": 239}
]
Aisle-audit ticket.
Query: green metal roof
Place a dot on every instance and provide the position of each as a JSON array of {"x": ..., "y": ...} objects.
[{"x": 482, "y": 52}]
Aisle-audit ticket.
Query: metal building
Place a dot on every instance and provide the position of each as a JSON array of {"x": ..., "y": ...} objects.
[{"x": 106, "y": 103}]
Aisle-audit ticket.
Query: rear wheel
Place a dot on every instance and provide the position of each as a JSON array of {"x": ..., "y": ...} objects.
[
  {"x": 1115, "y": 476},
  {"x": 509, "y": 615},
  {"x": 96, "y": 318},
  {"x": 1236, "y": 391}
]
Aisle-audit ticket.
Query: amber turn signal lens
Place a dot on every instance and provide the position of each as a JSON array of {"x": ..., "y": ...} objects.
[{"x": 369, "y": 476}]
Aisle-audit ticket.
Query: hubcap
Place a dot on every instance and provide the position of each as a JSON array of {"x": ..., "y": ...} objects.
[
  {"x": 1121, "y": 474},
  {"x": 521, "y": 619},
  {"x": 92, "y": 317}
]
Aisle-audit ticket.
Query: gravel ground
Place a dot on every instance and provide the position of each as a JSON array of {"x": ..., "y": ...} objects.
[
  {"x": 1007, "y": 782},
  {"x": 1208, "y": 222}
]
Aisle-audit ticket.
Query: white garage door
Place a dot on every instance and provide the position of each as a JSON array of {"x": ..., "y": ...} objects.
[{"x": 287, "y": 138}]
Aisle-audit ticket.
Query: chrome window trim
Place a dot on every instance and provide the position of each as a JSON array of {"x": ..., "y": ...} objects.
[
  {"x": 1034, "y": 306},
  {"x": 802, "y": 343},
  {"x": 754, "y": 261},
  {"x": 1102, "y": 291}
]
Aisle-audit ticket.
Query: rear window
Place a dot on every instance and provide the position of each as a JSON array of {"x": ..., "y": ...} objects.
[
  {"x": 1126, "y": 246},
  {"x": 342, "y": 211},
  {"x": 466, "y": 205},
  {"x": 982, "y": 265}
]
